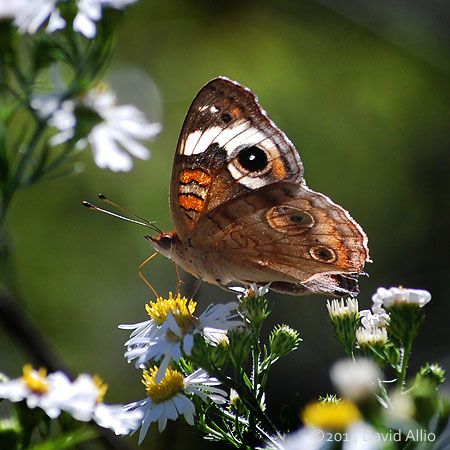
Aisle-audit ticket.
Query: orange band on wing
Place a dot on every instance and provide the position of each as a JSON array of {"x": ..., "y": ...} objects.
[
  {"x": 196, "y": 175},
  {"x": 279, "y": 169},
  {"x": 191, "y": 202}
]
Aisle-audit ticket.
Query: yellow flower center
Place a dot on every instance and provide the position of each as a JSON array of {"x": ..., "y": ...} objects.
[
  {"x": 181, "y": 309},
  {"x": 102, "y": 387},
  {"x": 171, "y": 385},
  {"x": 35, "y": 380},
  {"x": 331, "y": 415}
]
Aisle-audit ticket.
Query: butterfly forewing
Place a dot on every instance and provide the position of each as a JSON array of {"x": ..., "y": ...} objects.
[
  {"x": 228, "y": 145},
  {"x": 241, "y": 207}
]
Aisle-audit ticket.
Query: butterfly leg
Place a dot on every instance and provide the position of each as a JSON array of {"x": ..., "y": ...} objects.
[{"x": 142, "y": 276}]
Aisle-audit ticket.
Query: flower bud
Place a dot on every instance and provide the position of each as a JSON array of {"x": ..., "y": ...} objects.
[
  {"x": 345, "y": 320},
  {"x": 433, "y": 373},
  {"x": 283, "y": 340},
  {"x": 240, "y": 345},
  {"x": 255, "y": 308}
]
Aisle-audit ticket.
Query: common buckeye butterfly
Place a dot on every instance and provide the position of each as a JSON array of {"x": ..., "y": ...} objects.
[{"x": 241, "y": 207}]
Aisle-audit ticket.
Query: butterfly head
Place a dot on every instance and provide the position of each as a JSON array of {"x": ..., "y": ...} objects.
[{"x": 163, "y": 242}]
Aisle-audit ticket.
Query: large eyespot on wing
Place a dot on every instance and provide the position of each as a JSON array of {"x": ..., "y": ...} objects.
[
  {"x": 289, "y": 219},
  {"x": 227, "y": 113}
]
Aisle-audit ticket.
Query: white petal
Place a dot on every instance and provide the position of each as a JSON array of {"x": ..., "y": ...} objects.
[
  {"x": 118, "y": 419},
  {"x": 162, "y": 369},
  {"x": 171, "y": 411},
  {"x": 188, "y": 343},
  {"x": 162, "y": 421},
  {"x": 56, "y": 22},
  {"x": 144, "y": 428},
  {"x": 84, "y": 25}
]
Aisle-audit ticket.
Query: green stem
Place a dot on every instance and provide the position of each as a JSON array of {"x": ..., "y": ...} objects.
[
  {"x": 255, "y": 357},
  {"x": 405, "y": 360},
  {"x": 349, "y": 351}
]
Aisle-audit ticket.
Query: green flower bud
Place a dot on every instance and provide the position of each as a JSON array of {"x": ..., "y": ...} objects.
[
  {"x": 240, "y": 345},
  {"x": 220, "y": 354},
  {"x": 345, "y": 319},
  {"x": 255, "y": 308},
  {"x": 392, "y": 354},
  {"x": 236, "y": 404},
  {"x": 283, "y": 340},
  {"x": 432, "y": 373}
]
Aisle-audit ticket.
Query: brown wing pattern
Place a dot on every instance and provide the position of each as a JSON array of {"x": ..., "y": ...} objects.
[
  {"x": 223, "y": 126},
  {"x": 286, "y": 234}
]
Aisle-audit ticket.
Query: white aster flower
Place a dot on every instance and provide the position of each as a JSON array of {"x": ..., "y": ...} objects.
[
  {"x": 33, "y": 387},
  {"x": 371, "y": 336},
  {"x": 171, "y": 329},
  {"x": 80, "y": 397},
  {"x": 341, "y": 309},
  {"x": 355, "y": 380},
  {"x": 121, "y": 129},
  {"x": 168, "y": 399},
  {"x": 377, "y": 319},
  {"x": 30, "y": 15},
  {"x": 215, "y": 336},
  {"x": 258, "y": 291},
  {"x": 55, "y": 393},
  {"x": 327, "y": 421},
  {"x": 398, "y": 295}
]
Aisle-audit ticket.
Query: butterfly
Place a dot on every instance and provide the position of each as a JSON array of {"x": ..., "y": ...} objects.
[{"x": 242, "y": 210}]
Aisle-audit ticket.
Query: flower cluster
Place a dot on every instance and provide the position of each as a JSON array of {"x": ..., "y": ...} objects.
[
  {"x": 183, "y": 358},
  {"x": 30, "y": 15},
  {"x": 394, "y": 318},
  {"x": 52, "y": 91},
  {"x": 82, "y": 398},
  {"x": 117, "y": 127},
  {"x": 171, "y": 329},
  {"x": 383, "y": 337},
  {"x": 163, "y": 340}
]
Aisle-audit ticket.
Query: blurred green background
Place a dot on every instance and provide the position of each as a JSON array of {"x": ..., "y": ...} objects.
[{"x": 364, "y": 94}]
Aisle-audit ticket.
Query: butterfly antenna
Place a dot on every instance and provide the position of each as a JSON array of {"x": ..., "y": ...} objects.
[
  {"x": 144, "y": 223},
  {"x": 96, "y": 208},
  {"x": 121, "y": 208},
  {"x": 142, "y": 276}
]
